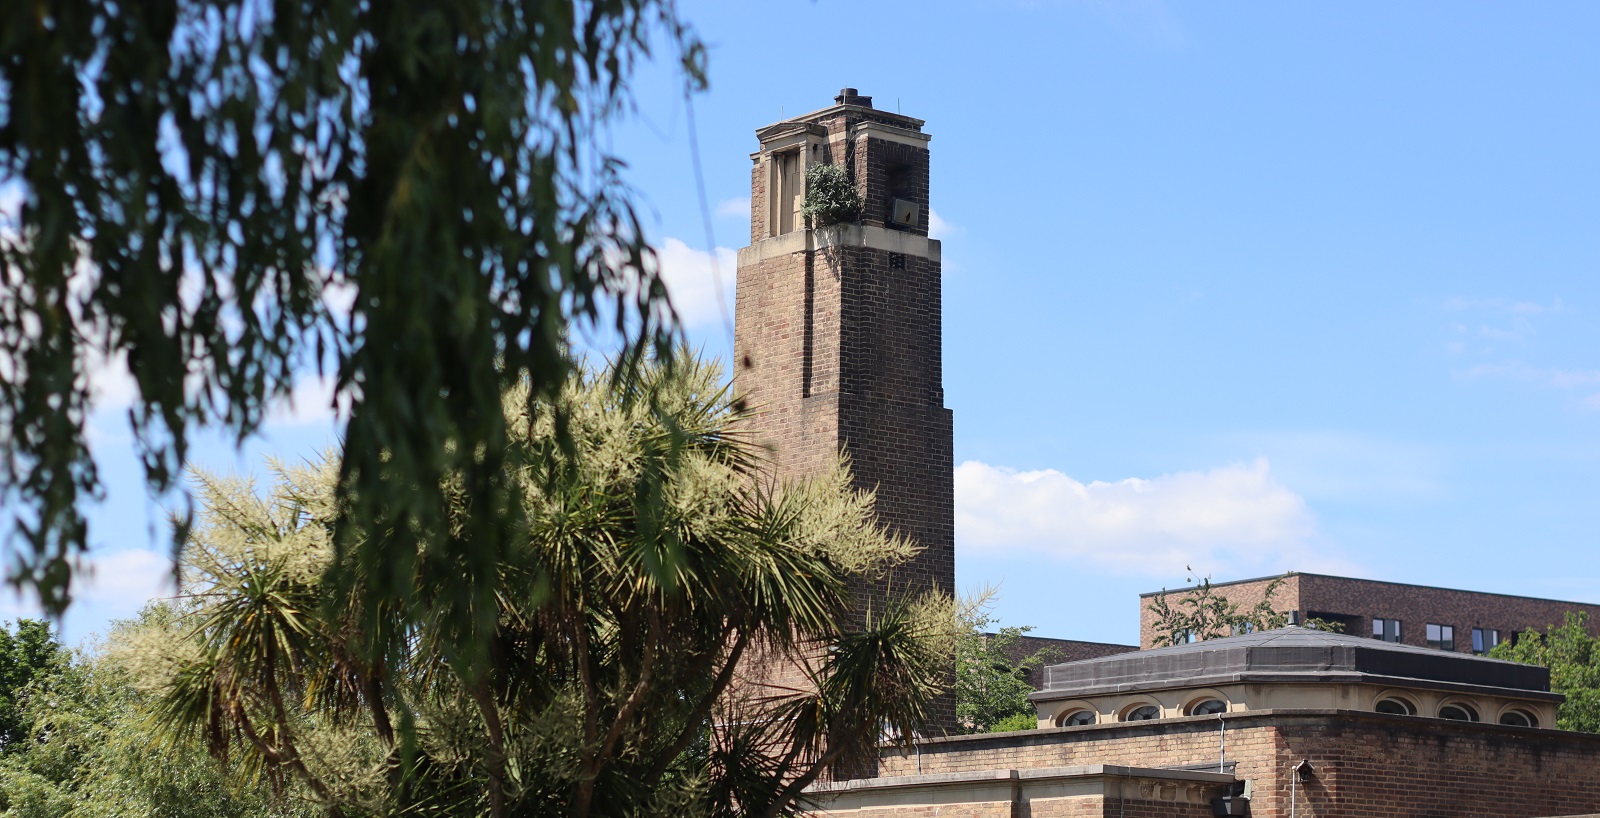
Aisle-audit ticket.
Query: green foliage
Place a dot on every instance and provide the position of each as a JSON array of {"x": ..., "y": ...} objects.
[
  {"x": 830, "y": 196},
  {"x": 653, "y": 561},
  {"x": 90, "y": 754},
  {"x": 1016, "y": 721},
  {"x": 1573, "y": 656},
  {"x": 993, "y": 674},
  {"x": 1201, "y": 613},
  {"x": 223, "y": 193},
  {"x": 27, "y": 652}
]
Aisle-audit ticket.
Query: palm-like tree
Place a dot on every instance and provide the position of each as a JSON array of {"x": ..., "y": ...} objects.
[{"x": 653, "y": 561}]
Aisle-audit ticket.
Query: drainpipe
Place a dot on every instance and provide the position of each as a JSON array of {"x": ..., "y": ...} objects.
[{"x": 1222, "y": 744}]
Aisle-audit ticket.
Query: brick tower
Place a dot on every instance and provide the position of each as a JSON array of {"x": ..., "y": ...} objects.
[{"x": 838, "y": 329}]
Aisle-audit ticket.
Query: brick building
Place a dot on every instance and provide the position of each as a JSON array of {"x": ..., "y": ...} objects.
[
  {"x": 1292, "y": 722},
  {"x": 838, "y": 349},
  {"x": 1441, "y": 618},
  {"x": 838, "y": 332},
  {"x": 838, "y": 336}
]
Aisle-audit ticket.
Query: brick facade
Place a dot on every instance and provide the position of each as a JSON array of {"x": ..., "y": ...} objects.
[
  {"x": 1091, "y": 791},
  {"x": 838, "y": 343},
  {"x": 1362, "y": 763},
  {"x": 1357, "y": 601}
]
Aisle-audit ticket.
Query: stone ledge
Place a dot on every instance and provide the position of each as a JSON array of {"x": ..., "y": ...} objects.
[
  {"x": 842, "y": 235},
  {"x": 1243, "y": 719},
  {"x": 1032, "y": 775},
  {"x": 1280, "y": 677}
]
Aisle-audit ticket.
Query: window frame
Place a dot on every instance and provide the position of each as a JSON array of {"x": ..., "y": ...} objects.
[
  {"x": 1526, "y": 713},
  {"x": 1127, "y": 712},
  {"x": 1094, "y": 718},
  {"x": 1480, "y": 644},
  {"x": 1471, "y": 710},
  {"x": 1407, "y": 699},
  {"x": 1382, "y": 632},
  {"x": 1407, "y": 707},
  {"x": 1441, "y": 637}
]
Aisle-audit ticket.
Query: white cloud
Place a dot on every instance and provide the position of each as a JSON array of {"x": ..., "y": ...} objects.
[
  {"x": 113, "y": 585},
  {"x": 734, "y": 208},
  {"x": 940, "y": 229},
  {"x": 1229, "y": 520},
  {"x": 1504, "y": 305},
  {"x": 1550, "y": 377},
  {"x": 1341, "y": 467},
  {"x": 699, "y": 283},
  {"x": 310, "y": 402},
  {"x": 111, "y": 385}
]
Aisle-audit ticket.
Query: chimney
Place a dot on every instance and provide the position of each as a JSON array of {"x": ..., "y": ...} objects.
[{"x": 849, "y": 96}]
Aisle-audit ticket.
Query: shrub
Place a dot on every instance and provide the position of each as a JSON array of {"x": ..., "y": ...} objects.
[{"x": 830, "y": 196}]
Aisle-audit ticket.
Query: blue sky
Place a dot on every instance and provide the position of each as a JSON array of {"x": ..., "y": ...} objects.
[{"x": 1249, "y": 287}]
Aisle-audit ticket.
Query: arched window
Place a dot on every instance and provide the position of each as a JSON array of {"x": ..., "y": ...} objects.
[
  {"x": 1456, "y": 711},
  {"x": 1396, "y": 706},
  {"x": 1144, "y": 712},
  {"x": 1519, "y": 718},
  {"x": 1077, "y": 718},
  {"x": 1208, "y": 707}
]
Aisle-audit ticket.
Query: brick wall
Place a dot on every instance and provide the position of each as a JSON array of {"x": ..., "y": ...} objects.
[
  {"x": 1090, "y": 790},
  {"x": 838, "y": 348},
  {"x": 1246, "y": 594},
  {"x": 1416, "y": 606},
  {"x": 1363, "y": 763}
]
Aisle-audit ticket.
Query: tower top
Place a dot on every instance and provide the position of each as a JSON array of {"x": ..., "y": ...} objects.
[
  {"x": 849, "y": 96},
  {"x": 849, "y": 108}
]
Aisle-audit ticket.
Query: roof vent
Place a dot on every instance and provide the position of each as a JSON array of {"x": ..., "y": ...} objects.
[{"x": 849, "y": 96}]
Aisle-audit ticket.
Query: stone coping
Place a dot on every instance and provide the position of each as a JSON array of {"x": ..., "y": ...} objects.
[
  {"x": 841, "y": 235},
  {"x": 1297, "y": 653},
  {"x": 1039, "y": 774},
  {"x": 1308, "y": 677},
  {"x": 1236, "y": 720}
]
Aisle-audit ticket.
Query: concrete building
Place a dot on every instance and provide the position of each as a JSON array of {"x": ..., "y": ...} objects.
[{"x": 1419, "y": 615}]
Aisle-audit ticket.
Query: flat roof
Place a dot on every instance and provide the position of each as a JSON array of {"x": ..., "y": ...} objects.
[
  {"x": 1292, "y": 654},
  {"x": 1285, "y": 574}
]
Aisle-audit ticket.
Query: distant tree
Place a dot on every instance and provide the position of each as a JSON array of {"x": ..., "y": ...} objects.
[
  {"x": 27, "y": 651},
  {"x": 226, "y": 194},
  {"x": 1201, "y": 613},
  {"x": 993, "y": 674},
  {"x": 89, "y": 751},
  {"x": 1573, "y": 656}
]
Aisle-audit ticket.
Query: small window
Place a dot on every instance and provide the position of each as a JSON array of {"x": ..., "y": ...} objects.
[
  {"x": 1519, "y": 718},
  {"x": 1398, "y": 707},
  {"x": 1442, "y": 637},
  {"x": 1386, "y": 629},
  {"x": 1078, "y": 718},
  {"x": 1242, "y": 628},
  {"x": 1208, "y": 707},
  {"x": 1458, "y": 712},
  {"x": 1148, "y": 712},
  {"x": 1484, "y": 640}
]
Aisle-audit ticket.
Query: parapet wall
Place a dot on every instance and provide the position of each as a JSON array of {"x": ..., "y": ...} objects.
[{"x": 1361, "y": 763}]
